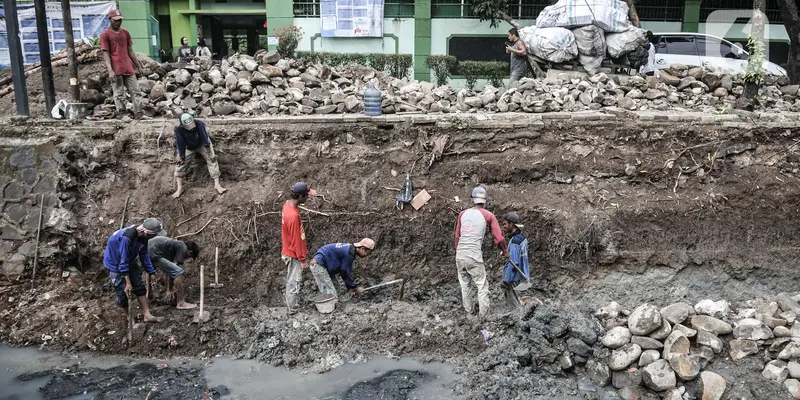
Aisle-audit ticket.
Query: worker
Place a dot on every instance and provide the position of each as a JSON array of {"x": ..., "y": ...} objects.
[
  {"x": 518, "y": 63},
  {"x": 518, "y": 255},
  {"x": 191, "y": 139},
  {"x": 337, "y": 259},
  {"x": 293, "y": 238},
  {"x": 649, "y": 68},
  {"x": 123, "y": 247},
  {"x": 470, "y": 230},
  {"x": 121, "y": 64},
  {"x": 168, "y": 255}
]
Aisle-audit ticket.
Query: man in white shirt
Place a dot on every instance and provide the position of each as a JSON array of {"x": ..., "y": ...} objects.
[{"x": 649, "y": 68}]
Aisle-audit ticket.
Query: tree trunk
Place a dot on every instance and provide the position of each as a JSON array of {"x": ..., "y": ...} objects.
[
  {"x": 791, "y": 20},
  {"x": 507, "y": 18},
  {"x": 633, "y": 14},
  {"x": 747, "y": 99}
]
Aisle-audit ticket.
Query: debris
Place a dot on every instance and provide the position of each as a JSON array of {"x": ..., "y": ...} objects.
[{"x": 420, "y": 199}]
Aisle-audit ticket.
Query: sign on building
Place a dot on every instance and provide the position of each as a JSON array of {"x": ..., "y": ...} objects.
[
  {"x": 89, "y": 19},
  {"x": 351, "y": 18}
]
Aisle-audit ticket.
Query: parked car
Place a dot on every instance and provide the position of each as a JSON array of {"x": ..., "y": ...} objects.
[{"x": 709, "y": 51}]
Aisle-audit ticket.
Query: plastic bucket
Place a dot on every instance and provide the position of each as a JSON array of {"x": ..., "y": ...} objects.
[{"x": 325, "y": 303}]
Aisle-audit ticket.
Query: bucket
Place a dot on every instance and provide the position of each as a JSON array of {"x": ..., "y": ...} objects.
[{"x": 325, "y": 303}]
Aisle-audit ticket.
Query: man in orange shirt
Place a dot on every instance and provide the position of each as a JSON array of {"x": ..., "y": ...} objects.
[{"x": 294, "y": 250}]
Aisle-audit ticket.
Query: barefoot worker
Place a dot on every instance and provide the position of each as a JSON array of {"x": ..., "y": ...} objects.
[
  {"x": 167, "y": 255},
  {"x": 191, "y": 139},
  {"x": 337, "y": 259},
  {"x": 120, "y": 260},
  {"x": 518, "y": 254},
  {"x": 470, "y": 230},
  {"x": 293, "y": 239}
]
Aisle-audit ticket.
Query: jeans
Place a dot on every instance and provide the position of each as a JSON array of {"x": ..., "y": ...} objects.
[
  {"x": 127, "y": 82},
  {"x": 137, "y": 284},
  {"x": 294, "y": 279}
]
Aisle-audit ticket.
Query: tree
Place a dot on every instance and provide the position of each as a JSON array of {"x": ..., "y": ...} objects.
[
  {"x": 754, "y": 73},
  {"x": 791, "y": 20}
]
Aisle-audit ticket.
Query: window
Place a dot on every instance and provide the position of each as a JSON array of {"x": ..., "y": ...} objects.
[
  {"x": 712, "y": 47},
  {"x": 678, "y": 45},
  {"x": 306, "y": 8},
  {"x": 478, "y": 48}
]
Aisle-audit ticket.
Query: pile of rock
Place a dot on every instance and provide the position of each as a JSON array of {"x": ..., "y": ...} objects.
[
  {"x": 660, "y": 350},
  {"x": 269, "y": 85}
]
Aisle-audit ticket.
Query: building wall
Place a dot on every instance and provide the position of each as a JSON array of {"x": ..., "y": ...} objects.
[{"x": 398, "y": 35}]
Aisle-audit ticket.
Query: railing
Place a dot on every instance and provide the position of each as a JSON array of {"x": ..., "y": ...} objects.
[
  {"x": 663, "y": 14},
  {"x": 306, "y": 8},
  {"x": 773, "y": 12},
  {"x": 391, "y": 9}
]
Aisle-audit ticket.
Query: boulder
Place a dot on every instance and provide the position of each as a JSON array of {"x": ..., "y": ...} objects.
[
  {"x": 712, "y": 80},
  {"x": 790, "y": 351},
  {"x": 647, "y": 343},
  {"x": 711, "y": 324},
  {"x": 206, "y": 87},
  {"x": 598, "y": 372},
  {"x": 271, "y": 58},
  {"x": 249, "y": 65},
  {"x": 578, "y": 347},
  {"x": 158, "y": 92},
  {"x": 624, "y": 356},
  {"x": 696, "y": 72},
  {"x": 224, "y": 108},
  {"x": 752, "y": 329},
  {"x": 648, "y": 356},
  {"x": 676, "y": 343},
  {"x": 689, "y": 332},
  {"x": 713, "y": 385},
  {"x": 790, "y": 90},
  {"x": 686, "y": 82},
  {"x": 325, "y": 109},
  {"x": 793, "y": 386},
  {"x": 669, "y": 79},
  {"x": 310, "y": 80},
  {"x": 352, "y": 103},
  {"x": 295, "y": 93},
  {"x": 616, "y": 337},
  {"x": 644, "y": 319},
  {"x": 794, "y": 369},
  {"x": 781, "y": 331},
  {"x": 611, "y": 310},
  {"x": 653, "y": 94},
  {"x": 716, "y": 309},
  {"x": 626, "y": 378},
  {"x": 742, "y": 348},
  {"x": 662, "y": 332},
  {"x": 685, "y": 366},
  {"x": 583, "y": 329},
  {"x": 775, "y": 371},
  {"x": 659, "y": 376},
  {"x": 677, "y": 313},
  {"x": 709, "y": 339},
  {"x": 720, "y": 92}
]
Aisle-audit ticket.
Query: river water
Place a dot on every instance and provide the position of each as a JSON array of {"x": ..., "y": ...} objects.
[{"x": 85, "y": 376}]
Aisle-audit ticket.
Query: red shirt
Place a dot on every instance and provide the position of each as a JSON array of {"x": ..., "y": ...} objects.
[
  {"x": 293, "y": 235},
  {"x": 117, "y": 45}
]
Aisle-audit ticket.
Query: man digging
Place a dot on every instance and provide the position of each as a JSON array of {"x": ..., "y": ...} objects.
[
  {"x": 167, "y": 255},
  {"x": 337, "y": 259},
  {"x": 191, "y": 139},
  {"x": 293, "y": 240},
  {"x": 123, "y": 247},
  {"x": 518, "y": 254}
]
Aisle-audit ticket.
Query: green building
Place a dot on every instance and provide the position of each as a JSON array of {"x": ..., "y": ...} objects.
[{"x": 418, "y": 27}]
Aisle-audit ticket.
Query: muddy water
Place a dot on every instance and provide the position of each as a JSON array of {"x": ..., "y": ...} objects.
[{"x": 50, "y": 376}]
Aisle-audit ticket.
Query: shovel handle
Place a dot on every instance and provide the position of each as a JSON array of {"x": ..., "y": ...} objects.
[{"x": 519, "y": 270}]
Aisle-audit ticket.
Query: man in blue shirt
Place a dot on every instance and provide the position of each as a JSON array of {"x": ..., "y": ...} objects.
[
  {"x": 518, "y": 253},
  {"x": 123, "y": 247},
  {"x": 337, "y": 259},
  {"x": 191, "y": 139}
]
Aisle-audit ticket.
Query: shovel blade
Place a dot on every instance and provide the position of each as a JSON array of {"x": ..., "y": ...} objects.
[{"x": 523, "y": 286}]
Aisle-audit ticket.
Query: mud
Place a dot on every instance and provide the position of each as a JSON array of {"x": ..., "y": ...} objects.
[{"x": 607, "y": 218}]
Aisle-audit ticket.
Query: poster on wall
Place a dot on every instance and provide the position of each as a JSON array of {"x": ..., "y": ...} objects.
[
  {"x": 351, "y": 18},
  {"x": 89, "y": 19}
]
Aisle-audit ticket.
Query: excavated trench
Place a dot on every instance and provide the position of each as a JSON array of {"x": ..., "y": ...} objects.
[{"x": 618, "y": 209}]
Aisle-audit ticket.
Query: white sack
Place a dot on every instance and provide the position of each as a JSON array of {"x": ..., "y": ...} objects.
[
  {"x": 622, "y": 43},
  {"x": 609, "y": 15},
  {"x": 553, "y": 44}
]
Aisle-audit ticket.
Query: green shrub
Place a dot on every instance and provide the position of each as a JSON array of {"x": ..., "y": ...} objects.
[
  {"x": 288, "y": 39},
  {"x": 396, "y": 65},
  {"x": 442, "y": 67},
  {"x": 493, "y": 71}
]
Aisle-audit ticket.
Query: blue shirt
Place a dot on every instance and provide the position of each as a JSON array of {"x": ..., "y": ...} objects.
[
  {"x": 191, "y": 140},
  {"x": 122, "y": 249},
  {"x": 518, "y": 252},
  {"x": 338, "y": 259}
]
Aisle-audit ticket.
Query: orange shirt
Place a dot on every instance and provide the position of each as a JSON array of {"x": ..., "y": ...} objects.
[{"x": 293, "y": 236}]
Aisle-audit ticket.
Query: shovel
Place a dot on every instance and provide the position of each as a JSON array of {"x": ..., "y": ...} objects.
[
  {"x": 524, "y": 285},
  {"x": 402, "y": 283}
]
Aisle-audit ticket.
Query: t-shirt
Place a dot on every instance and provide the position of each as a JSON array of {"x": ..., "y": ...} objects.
[
  {"x": 191, "y": 139},
  {"x": 293, "y": 236},
  {"x": 650, "y": 65},
  {"x": 470, "y": 230},
  {"x": 164, "y": 247},
  {"x": 117, "y": 45},
  {"x": 185, "y": 51},
  {"x": 338, "y": 259}
]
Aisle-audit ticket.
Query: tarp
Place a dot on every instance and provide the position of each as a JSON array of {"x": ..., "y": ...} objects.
[
  {"x": 609, "y": 15},
  {"x": 351, "y": 18},
  {"x": 89, "y": 19}
]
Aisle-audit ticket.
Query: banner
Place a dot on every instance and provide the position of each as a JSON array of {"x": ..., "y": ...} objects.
[
  {"x": 89, "y": 19},
  {"x": 351, "y": 18}
]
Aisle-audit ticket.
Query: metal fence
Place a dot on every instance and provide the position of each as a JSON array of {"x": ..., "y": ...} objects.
[
  {"x": 773, "y": 12},
  {"x": 391, "y": 8},
  {"x": 660, "y": 10},
  {"x": 306, "y": 8}
]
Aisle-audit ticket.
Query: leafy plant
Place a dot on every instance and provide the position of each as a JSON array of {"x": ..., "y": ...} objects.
[
  {"x": 471, "y": 71},
  {"x": 755, "y": 61},
  {"x": 288, "y": 39},
  {"x": 397, "y": 65},
  {"x": 493, "y": 71},
  {"x": 442, "y": 67}
]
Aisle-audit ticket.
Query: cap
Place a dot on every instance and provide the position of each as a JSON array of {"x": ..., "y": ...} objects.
[
  {"x": 479, "y": 195},
  {"x": 187, "y": 121},
  {"x": 154, "y": 225},
  {"x": 302, "y": 188},
  {"x": 115, "y": 14},
  {"x": 514, "y": 219},
  {"x": 366, "y": 243}
]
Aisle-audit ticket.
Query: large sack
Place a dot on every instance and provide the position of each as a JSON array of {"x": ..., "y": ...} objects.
[
  {"x": 622, "y": 43},
  {"x": 609, "y": 15},
  {"x": 591, "y": 43},
  {"x": 552, "y": 44}
]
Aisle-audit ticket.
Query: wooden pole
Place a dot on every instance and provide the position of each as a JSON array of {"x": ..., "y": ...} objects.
[
  {"x": 202, "y": 286},
  {"x": 72, "y": 60},
  {"x": 216, "y": 266},
  {"x": 124, "y": 211},
  {"x": 44, "y": 55}
]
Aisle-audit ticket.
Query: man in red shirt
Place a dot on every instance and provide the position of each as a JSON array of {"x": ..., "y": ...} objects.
[
  {"x": 294, "y": 249},
  {"x": 120, "y": 61}
]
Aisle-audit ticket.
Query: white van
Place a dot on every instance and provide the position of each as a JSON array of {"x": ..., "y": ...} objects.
[{"x": 709, "y": 51}]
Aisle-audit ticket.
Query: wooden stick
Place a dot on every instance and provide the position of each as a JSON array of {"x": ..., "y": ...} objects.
[
  {"x": 255, "y": 225},
  {"x": 189, "y": 219},
  {"x": 124, "y": 211},
  {"x": 38, "y": 234},
  {"x": 202, "y": 286},
  {"x": 130, "y": 321},
  {"x": 313, "y": 211},
  {"x": 195, "y": 233},
  {"x": 216, "y": 266}
]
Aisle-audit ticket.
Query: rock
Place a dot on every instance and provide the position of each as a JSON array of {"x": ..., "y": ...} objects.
[
  {"x": 711, "y": 324},
  {"x": 648, "y": 356},
  {"x": 585, "y": 98},
  {"x": 188, "y": 103},
  {"x": 662, "y": 332},
  {"x": 669, "y": 79},
  {"x": 611, "y": 310},
  {"x": 793, "y": 386},
  {"x": 583, "y": 329},
  {"x": 15, "y": 265},
  {"x": 486, "y": 98},
  {"x": 712, "y": 80},
  {"x": 271, "y": 71},
  {"x": 659, "y": 376},
  {"x": 742, "y": 348},
  {"x": 752, "y": 329},
  {"x": 292, "y": 73},
  {"x": 703, "y": 355},
  {"x": 791, "y": 351},
  {"x": 713, "y": 385},
  {"x": 626, "y": 378},
  {"x": 794, "y": 369},
  {"x": 627, "y": 103},
  {"x": 676, "y": 313},
  {"x": 250, "y": 65},
  {"x": 473, "y": 102},
  {"x": 716, "y": 309},
  {"x": 182, "y": 77},
  {"x": 631, "y": 393},
  {"x": 325, "y": 109},
  {"x": 685, "y": 366},
  {"x": 624, "y": 356},
  {"x": 635, "y": 94},
  {"x": 781, "y": 331},
  {"x": 674, "y": 394},
  {"x": 295, "y": 93},
  {"x": 578, "y": 347},
  {"x": 224, "y": 109},
  {"x": 689, "y": 332},
  {"x": 653, "y": 94},
  {"x": 696, "y": 72},
  {"x": 686, "y": 82},
  {"x": 598, "y": 372},
  {"x": 565, "y": 361},
  {"x": 644, "y": 319},
  {"x": 271, "y": 58},
  {"x": 676, "y": 343},
  {"x": 720, "y": 92},
  {"x": 616, "y": 337},
  {"x": 310, "y": 80},
  {"x": 206, "y": 87},
  {"x": 352, "y": 103},
  {"x": 231, "y": 81},
  {"x": 158, "y": 92},
  {"x": 791, "y": 90},
  {"x": 787, "y": 303},
  {"x": 709, "y": 339},
  {"x": 775, "y": 371},
  {"x": 647, "y": 343}
]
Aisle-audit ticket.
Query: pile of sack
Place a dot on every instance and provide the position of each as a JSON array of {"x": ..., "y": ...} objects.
[{"x": 584, "y": 29}]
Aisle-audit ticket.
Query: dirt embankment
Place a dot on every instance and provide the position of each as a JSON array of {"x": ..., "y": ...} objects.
[{"x": 616, "y": 210}]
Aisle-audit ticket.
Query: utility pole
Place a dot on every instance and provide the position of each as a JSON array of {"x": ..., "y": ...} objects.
[
  {"x": 15, "y": 51},
  {"x": 75, "y": 89},
  {"x": 44, "y": 55}
]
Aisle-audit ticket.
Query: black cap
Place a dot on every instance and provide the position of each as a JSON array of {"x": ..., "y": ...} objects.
[
  {"x": 513, "y": 218},
  {"x": 302, "y": 188}
]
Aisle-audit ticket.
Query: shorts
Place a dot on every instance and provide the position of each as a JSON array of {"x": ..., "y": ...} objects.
[{"x": 169, "y": 267}]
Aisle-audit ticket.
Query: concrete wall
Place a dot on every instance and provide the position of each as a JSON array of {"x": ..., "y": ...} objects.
[
  {"x": 401, "y": 28},
  {"x": 232, "y": 5}
]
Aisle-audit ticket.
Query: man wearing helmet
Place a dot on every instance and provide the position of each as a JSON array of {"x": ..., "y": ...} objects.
[
  {"x": 191, "y": 139},
  {"x": 470, "y": 230}
]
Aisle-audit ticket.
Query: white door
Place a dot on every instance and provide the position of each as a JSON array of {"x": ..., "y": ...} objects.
[{"x": 676, "y": 49}]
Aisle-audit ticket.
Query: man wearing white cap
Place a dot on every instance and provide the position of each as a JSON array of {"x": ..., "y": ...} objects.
[
  {"x": 337, "y": 259},
  {"x": 120, "y": 62},
  {"x": 191, "y": 139},
  {"x": 470, "y": 230}
]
